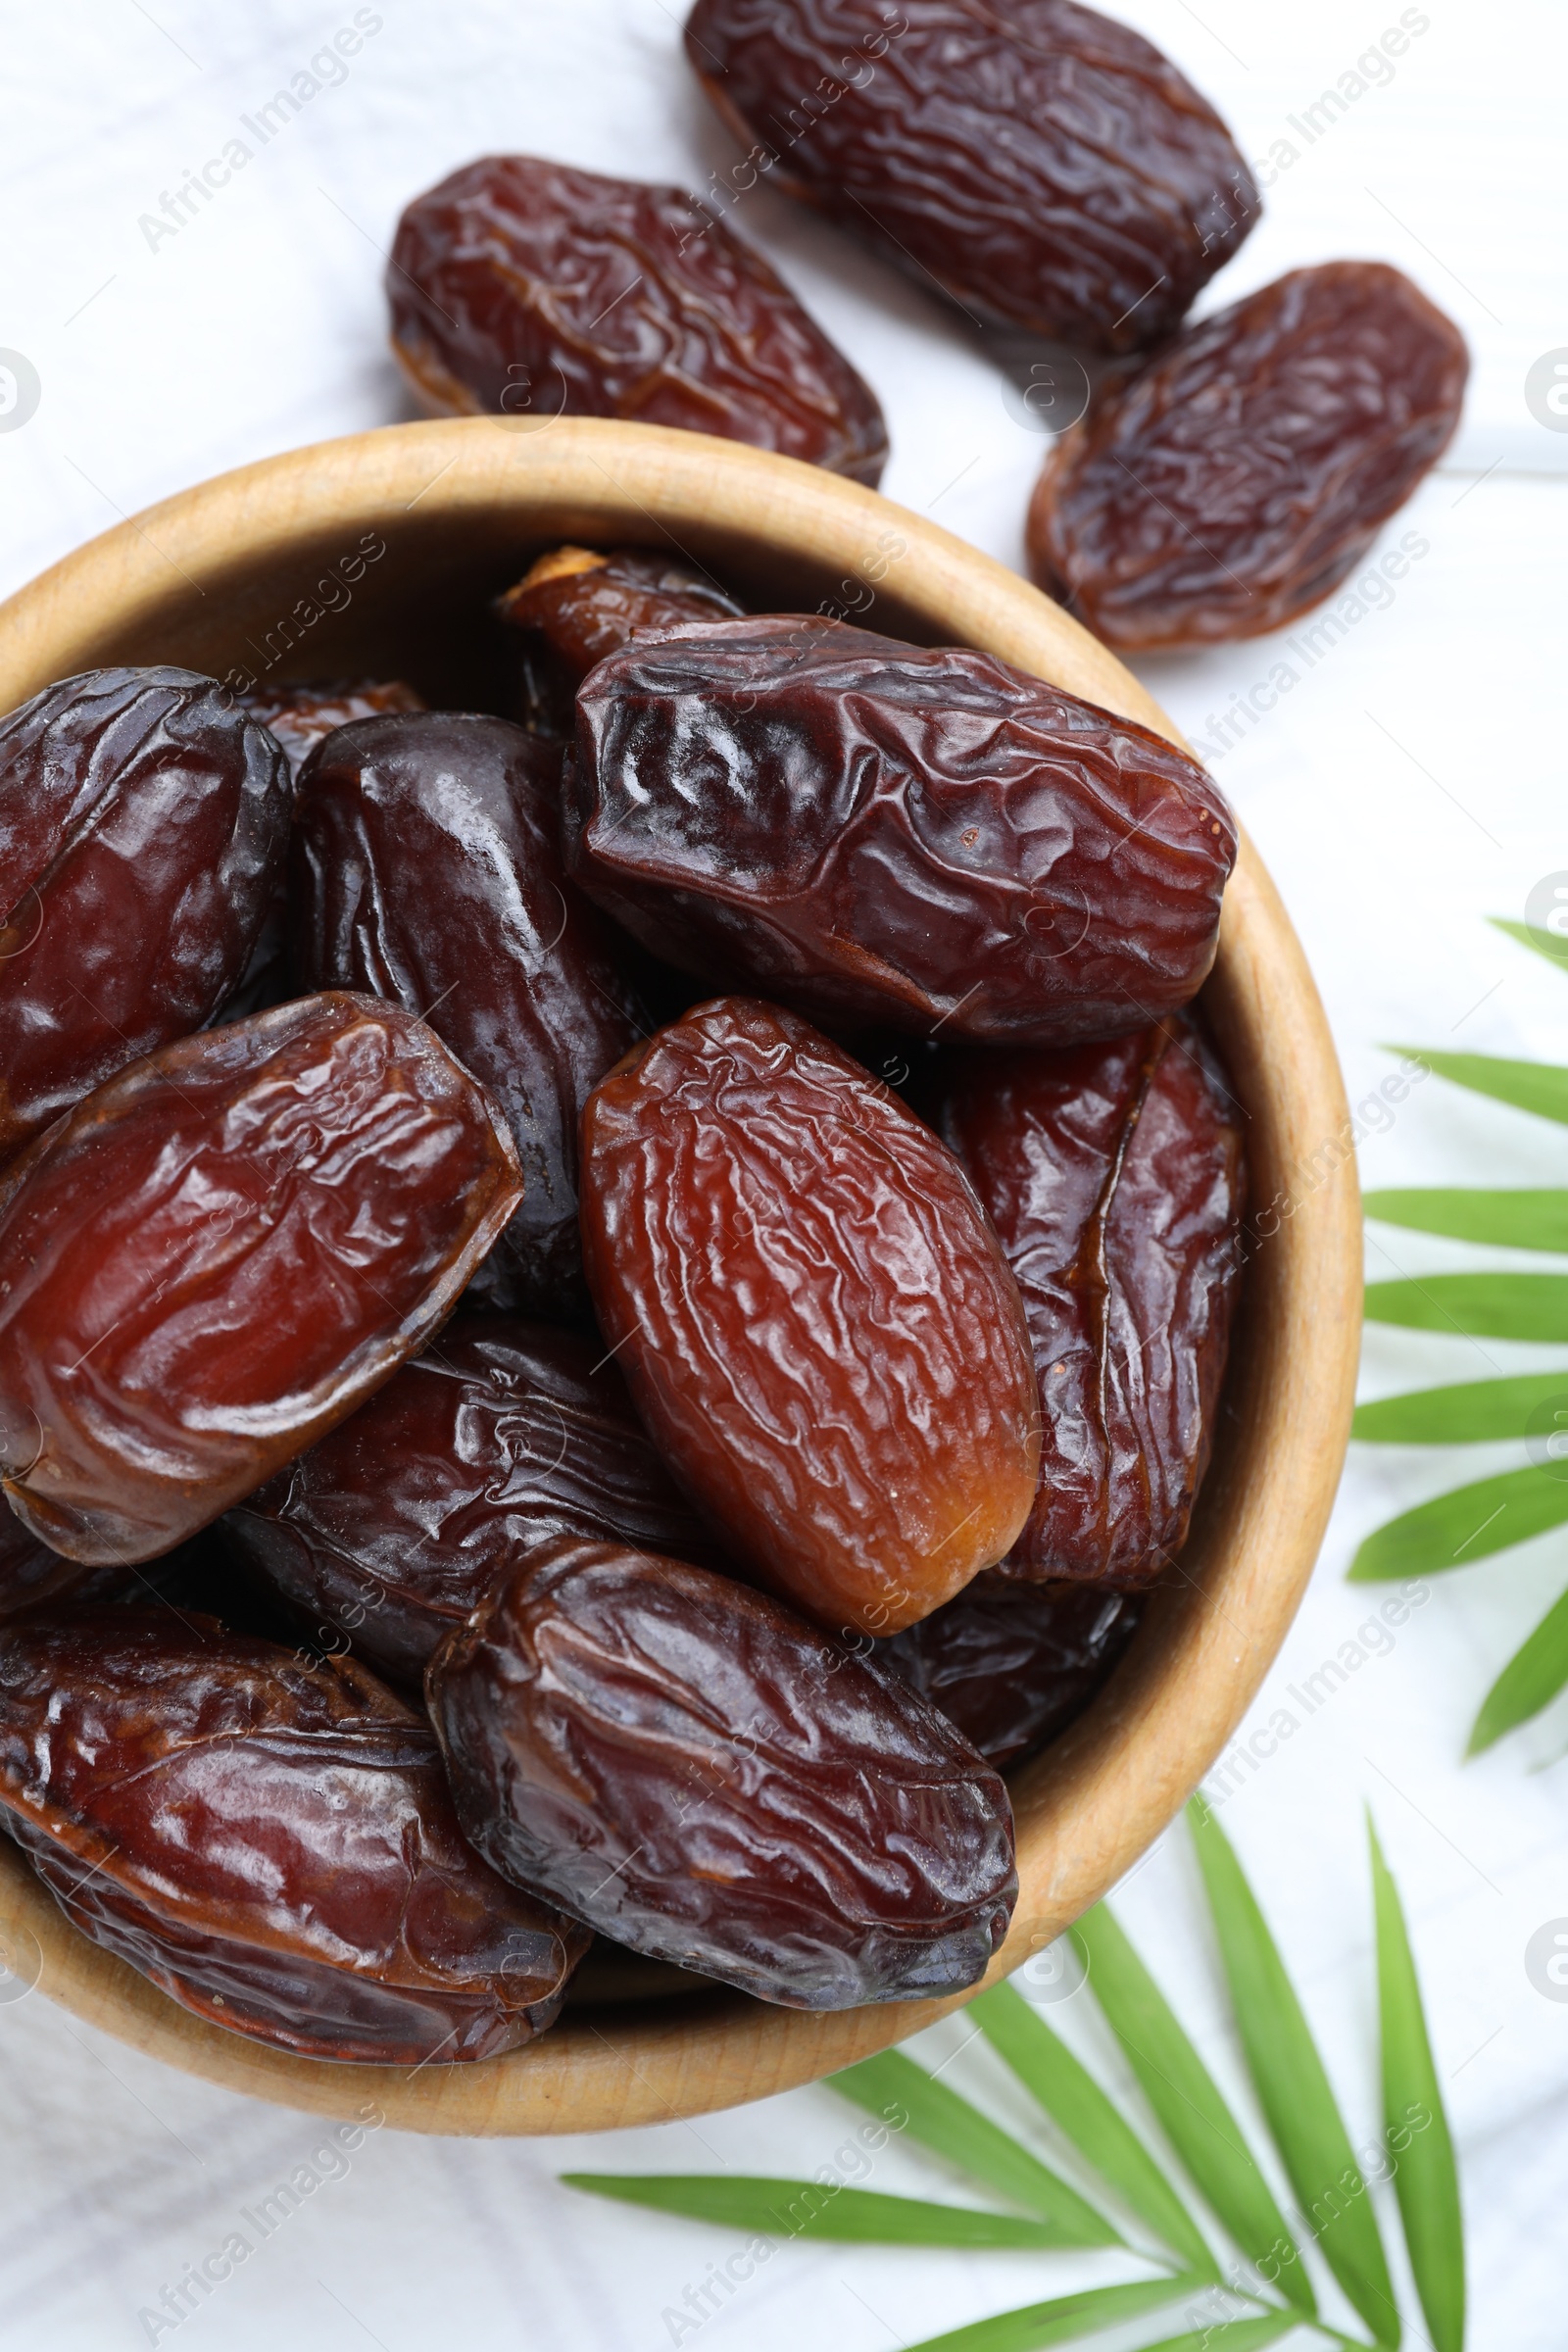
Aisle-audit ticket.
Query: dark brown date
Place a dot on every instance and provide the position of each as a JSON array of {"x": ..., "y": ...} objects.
[
  {"x": 142, "y": 829},
  {"x": 1044, "y": 166},
  {"x": 32, "y": 1576},
  {"x": 813, "y": 1316},
  {"x": 527, "y": 290},
  {"x": 271, "y": 1843},
  {"x": 1011, "y": 1664},
  {"x": 686, "y": 1766},
  {"x": 1113, "y": 1175},
  {"x": 884, "y": 834},
  {"x": 501, "y": 1438},
  {"x": 573, "y": 606},
  {"x": 299, "y": 715},
  {"x": 426, "y": 870},
  {"x": 220, "y": 1254},
  {"x": 1240, "y": 478}
]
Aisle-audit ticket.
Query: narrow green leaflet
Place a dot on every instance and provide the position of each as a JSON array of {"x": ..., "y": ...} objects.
[
  {"x": 812, "y": 2209},
  {"x": 1489, "y": 1306},
  {"x": 1540, "y": 1087},
  {"x": 1198, "y": 2125},
  {"x": 1510, "y": 1220},
  {"x": 1467, "y": 1524},
  {"x": 1472, "y": 1413},
  {"x": 1069, "y": 2093},
  {"x": 1293, "y": 2085},
  {"x": 1232, "y": 2336},
  {"x": 1531, "y": 1681},
  {"x": 890, "y": 2083},
  {"x": 1062, "y": 2321},
  {"x": 1426, "y": 2182},
  {"x": 1529, "y": 935}
]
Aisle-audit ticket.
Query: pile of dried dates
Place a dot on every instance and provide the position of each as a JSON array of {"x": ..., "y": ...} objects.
[
  {"x": 1047, "y": 171},
  {"x": 514, "y": 1429}
]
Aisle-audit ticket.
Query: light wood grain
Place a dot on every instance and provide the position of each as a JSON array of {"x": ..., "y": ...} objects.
[{"x": 459, "y": 507}]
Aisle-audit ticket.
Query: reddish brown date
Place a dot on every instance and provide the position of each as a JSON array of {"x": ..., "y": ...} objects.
[
  {"x": 272, "y": 1844},
  {"x": 142, "y": 829},
  {"x": 685, "y": 1765},
  {"x": 528, "y": 290},
  {"x": 1114, "y": 1177},
  {"x": 1240, "y": 478},
  {"x": 1044, "y": 166},
  {"x": 299, "y": 715},
  {"x": 501, "y": 1438},
  {"x": 573, "y": 606},
  {"x": 1011, "y": 1664},
  {"x": 883, "y": 834},
  {"x": 221, "y": 1253},
  {"x": 813, "y": 1316},
  {"x": 426, "y": 870}
]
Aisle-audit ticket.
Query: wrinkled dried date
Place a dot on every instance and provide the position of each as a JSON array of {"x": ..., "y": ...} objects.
[
  {"x": 502, "y": 1437},
  {"x": 221, "y": 1253},
  {"x": 527, "y": 289},
  {"x": 142, "y": 828},
  {"x": 272, "y": 1844},
  {"x": 1048, "y": 167},
  {"x": 424, "y": 869},
  {"x": 299, "y": 715},
  {"x": 1011, "y": 1664},
  {"x": 685, "y": 1765},
  {"x": 813, "y": 1318},
  {"x": 573, "y": 606},
  {"x": 1113, "y": 1175},
  {"x": 879, "y": 833},
  {"x": 1241, "y": 476}
]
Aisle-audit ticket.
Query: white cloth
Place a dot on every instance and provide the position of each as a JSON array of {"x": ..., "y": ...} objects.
[{"x": 1406, "y": 787}]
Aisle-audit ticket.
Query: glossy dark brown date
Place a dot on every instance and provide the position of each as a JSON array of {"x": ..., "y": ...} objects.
[
  {"x": 573, "y": 606},
  {"x": 1041, "y": 164},
  {"x": 271, "y": 1842},
  {"x": 526, "y": 290},
  {"x": 1240, "y": 479},
  {"x": 882, "y": 833},
  {"x": 686, "y": 1766},
  {"x": 221, "y": 1253},
  {"x": 426, "y": 870},
  {"x": 501, "y": 1438},
  {"x": 142, "y": 829},
  {"x": 1114, "y": 1177}
]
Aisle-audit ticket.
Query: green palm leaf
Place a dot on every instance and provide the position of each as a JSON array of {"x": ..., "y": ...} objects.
[
  {"x": 967, "y": 2139},
  {"x": 1196, "y": 2122},
  {"x": 1069, "y": 2094},
  {"x": 1529, "y": 935},
  {"x": 1531, "y": 1681},
  {"x": 1492, "y": 1306},
  {"x": 1512, "y": 1219},
  {"x": 1467, "y": 1524},
  {"x": 1232, "y": 2336},
  {"x": 1540, "y": 1087},
  {"x": 1061, "y": 2322},
  {"x": 1472, "y": 1413},
  {"x": 812, "y": 2209},
  {"x": 1426, "y": 2182},
  {"x": 1293, "y": 2085}
]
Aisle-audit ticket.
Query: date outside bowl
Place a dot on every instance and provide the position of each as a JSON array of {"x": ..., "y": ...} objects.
[{"x": 374, "y": 555}]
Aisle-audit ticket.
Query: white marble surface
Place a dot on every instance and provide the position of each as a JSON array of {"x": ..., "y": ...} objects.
[{"x": 1407, "y": 786}]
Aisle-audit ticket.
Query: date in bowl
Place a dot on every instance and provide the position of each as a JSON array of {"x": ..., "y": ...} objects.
[{"x": 377, "y": 556}]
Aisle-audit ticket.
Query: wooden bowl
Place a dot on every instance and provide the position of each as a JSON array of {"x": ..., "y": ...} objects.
[{"x": 374, "y": 555}]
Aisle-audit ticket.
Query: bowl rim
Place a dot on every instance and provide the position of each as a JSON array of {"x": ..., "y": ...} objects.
[{"x": 1089, "y": 1807}]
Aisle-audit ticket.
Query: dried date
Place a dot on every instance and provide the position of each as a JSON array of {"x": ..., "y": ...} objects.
[
  {"x": 301, "y": 715},
  {"x": 1113, "y": 1175},
  {"x": 142, "y": 829},
  {"x": 527, "y": 290},
  {"x": 573, "y": 606},
  {"x": 220, "y": 1254},
  {"x": 426, "y": 870},
  {"x": 688, "y": 1767},
  {"x": 1011, "y": 1664},
  {"x": 1045, "y": 167},
  {"x": 880, "y": 833},
  {"x": 500, "y": 1439},
  {"x": 1240, "y": 478},
  {"x": 811, "y": 1314},
  {"x": 272, "y": 1844}
]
